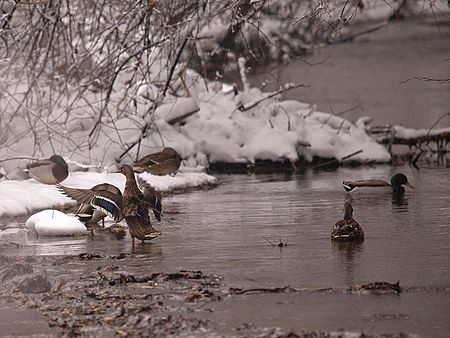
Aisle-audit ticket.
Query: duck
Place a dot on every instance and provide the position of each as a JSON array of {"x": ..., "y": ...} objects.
[
  {"x": 97, "y": 202},
  {"x": 135, "y": 208},
  {"x": 107, "y": 200},
  {"x": 347, "y": 229},
  {"x": 49, "y": 171},
  {"x": 153, "y": 197},
  {"x": 397, "y": 183},
  {"x": 165, "y": 162}
]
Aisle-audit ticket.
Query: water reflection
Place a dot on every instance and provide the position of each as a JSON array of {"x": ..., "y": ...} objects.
[
  {"x": 399, "y": 202},
  {"x": 346, "y": 252},
  {"x": 147, "y": 249}
]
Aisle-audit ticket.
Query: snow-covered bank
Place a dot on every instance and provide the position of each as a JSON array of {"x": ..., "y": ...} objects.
[
  {"x": 216, "y": 125},
  {"x": 268, "y": 130},
  {"x": 22, "y": 197},
  {"x": 386, "y": 134}
]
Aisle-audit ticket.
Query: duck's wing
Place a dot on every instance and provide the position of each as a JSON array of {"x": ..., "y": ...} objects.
[
  {"x": 147, "y": 160},
  {"x": 139, "y": 168},
  {"x": 82, "y": 196},
  {"x": 167, "y": 167},
  {"x": 42, "y": 171},
  {"x": 152, "y": 197},
  {"x": 349, "y": 229},
  {"x": 159, "y": 157},
  {"x": 105, "y": 201},
  {"x": 153, "y": 159},
  {"x": 40, "y": 163},
  {"x": 135, "y": 206},
  {"x": 88, "y": 214},
  {"x": 107, "y": 187},
  {"x": 352, "y": 185}
]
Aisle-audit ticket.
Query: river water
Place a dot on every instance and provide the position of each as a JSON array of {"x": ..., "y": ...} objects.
[
  {"x": 221, "y": 231},
  {"x": 365, "y": 77}
]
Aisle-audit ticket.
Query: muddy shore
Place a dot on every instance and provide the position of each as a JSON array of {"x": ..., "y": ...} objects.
[{"x": 111, "y": 295}]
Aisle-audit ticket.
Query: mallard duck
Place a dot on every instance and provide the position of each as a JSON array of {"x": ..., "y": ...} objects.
[
  {"x": 165, "y": 162},
  {"x": 50, "y": 171},
  {"x": 397, "y": 182},
  {"x": 97, "y": 202},
  {"x": 135, "y": 208},
  {"x": 347, "y": 229},
  {"x": 153, "y": 197},
  {"x": 107, "y": 200}
]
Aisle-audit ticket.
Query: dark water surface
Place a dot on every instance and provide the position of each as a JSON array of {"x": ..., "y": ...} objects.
[{"x": 221, "y": 231}]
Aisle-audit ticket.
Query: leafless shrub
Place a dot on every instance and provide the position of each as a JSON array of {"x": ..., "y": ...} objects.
[{"x": 82, "y": 75}]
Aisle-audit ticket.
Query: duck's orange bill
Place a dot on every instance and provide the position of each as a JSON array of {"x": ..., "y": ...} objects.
[
  {"x": 117, "y": 172},
  {"x": 409, "y": 185}
]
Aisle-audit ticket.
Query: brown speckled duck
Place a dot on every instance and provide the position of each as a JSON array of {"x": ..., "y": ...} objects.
[
  {"x": 107, "y": 200},
  {"x": 165, "y": 162},
  {"x": 347, "y": 229},
  {"x": 50, "y": 171},
  {"x": 135, "y": 208}
]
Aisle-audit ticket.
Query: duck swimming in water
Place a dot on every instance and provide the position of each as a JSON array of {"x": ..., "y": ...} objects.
[
  {"x": 397, "y": 183},
  {"x": 347, "y": 229}
]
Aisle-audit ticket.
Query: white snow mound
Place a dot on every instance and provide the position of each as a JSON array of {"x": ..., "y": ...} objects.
[{"x": 55, "y": 223}]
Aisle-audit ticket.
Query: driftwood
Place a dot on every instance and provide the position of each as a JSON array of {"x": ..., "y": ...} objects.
[
  {"x": 239, "y": 291},
  {"x": 417, "y": 140},
  {"x": 324, "y": 164}
]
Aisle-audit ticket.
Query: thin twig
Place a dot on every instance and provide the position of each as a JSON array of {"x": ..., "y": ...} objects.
[
  {"x": 265, "y": 290},
  {"x": 281, "y": 91},
  {"x": 18, "y": 158},
  {"x": 336, "y": 160},
  {"x": 268, "y": 241},
  {"x": 425, "y": 79},
  {"x": 436, "y": 122},
  {"x": 172, "y": 69}
]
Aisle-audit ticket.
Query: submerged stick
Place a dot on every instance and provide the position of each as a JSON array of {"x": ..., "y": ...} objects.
[
  {"x": 268, "y": 241},
  {"x": 264, "y": 290}
]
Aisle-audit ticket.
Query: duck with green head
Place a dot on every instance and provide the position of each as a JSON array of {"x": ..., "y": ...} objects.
[
  {"x": 397, "y": 183},
  {"x": 49, "y": 171}
]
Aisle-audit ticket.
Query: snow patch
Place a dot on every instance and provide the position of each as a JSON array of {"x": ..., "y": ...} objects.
[
  {"x": 55, "y": 223},
  {"x": 22, "y": 197}
]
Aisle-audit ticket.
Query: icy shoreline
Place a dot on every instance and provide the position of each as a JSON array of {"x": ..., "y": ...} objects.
[{"x": 23, "y": 197}]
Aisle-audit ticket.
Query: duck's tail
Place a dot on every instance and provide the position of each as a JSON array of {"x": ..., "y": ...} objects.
[{"x": 348, "y": 186}]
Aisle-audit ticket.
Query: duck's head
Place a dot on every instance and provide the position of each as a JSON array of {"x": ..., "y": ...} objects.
[
  {"x": 57, "y": 159},
  {"x": 348, "y": 211},
  {"x": 169, "y": 151},
  {"x": 172, "y": 153},
  {"x": 397, "y": 182},
  {"x": 126, "y": 170}
]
